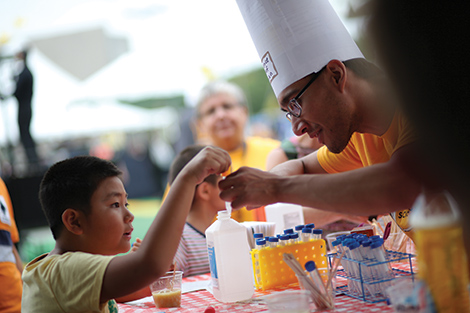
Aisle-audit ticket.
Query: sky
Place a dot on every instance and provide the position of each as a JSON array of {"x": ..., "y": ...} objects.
[{"x": 174, "y": 46}]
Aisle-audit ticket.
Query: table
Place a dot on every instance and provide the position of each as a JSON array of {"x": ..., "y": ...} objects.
[{"x": 198, "y": 301}]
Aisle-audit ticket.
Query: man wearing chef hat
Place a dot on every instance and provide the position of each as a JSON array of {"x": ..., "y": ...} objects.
[{"x": 329, "y": 91}]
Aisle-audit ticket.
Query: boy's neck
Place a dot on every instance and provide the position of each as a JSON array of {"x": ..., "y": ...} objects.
[{"x": 200, "y": 218}]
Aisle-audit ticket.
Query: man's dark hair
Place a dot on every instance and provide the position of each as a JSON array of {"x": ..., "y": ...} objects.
[
  {"x": 183, "y": 158},
  {"x": 70, "y": 184},
  {"x": 364, "y": 69}
]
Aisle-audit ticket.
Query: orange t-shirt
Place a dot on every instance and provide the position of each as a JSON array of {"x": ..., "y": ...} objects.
[{"x": 367, "y": 149}]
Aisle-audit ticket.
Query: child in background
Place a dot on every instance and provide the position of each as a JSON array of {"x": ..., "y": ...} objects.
[
  {"x": 10, "y": 262},
  {"x": 86, "y": 206},
  {"x": 191, "y": 257}
]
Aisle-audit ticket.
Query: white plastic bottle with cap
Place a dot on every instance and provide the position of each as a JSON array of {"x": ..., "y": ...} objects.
[{"x": 230, "y": 260}]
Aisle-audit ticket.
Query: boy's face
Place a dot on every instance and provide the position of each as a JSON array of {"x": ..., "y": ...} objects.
[{"x": 108, "y": 227}]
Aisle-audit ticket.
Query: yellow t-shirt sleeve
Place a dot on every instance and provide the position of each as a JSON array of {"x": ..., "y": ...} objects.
[{"x": 332, "y": 163}]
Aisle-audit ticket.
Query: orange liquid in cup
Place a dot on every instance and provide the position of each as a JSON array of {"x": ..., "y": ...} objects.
[{"x": 167, "y": 298}]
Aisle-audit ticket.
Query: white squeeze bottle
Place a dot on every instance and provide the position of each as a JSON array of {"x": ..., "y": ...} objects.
[{"x": 230, "y": 260}]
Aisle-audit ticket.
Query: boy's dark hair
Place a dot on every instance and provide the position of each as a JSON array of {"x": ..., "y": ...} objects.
[
  {"x": 182, "y": 159},
  {"x": 70, "y": 184}
]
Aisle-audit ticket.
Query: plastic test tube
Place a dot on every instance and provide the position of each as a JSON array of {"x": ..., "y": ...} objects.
[
  {"x": 288, "y": 231},
  {"x": 363, "y": 272},
  {"x": 298, "y": 230},
  {"x": 351, "y": 266},
  {"x": 284, "y": 240},
  {"x": 306, "y": 234},
  {"x": 260, "y": 244},
  {"x": 294, "y": 238},
  {"x": 337, "y": 247},
  {"x": 258, "y": 236},
  {"x": 383, "y": 270},
  {"x": 273, "y": 241},
  {"x": 312, "y": 270},
  {"x": 317, "y": 233}
]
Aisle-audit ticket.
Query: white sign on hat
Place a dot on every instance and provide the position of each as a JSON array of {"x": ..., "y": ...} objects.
[{"x": 295, "y": 38}]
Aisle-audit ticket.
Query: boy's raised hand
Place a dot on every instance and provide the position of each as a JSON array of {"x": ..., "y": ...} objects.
[
  {"x": 136, "y": 244},
  {"x": 210, "y": 160}
]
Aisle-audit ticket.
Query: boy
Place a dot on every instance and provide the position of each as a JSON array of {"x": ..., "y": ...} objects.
[
  {"x": 86, "y": 206},
  {"x": 191, "y": 257}
]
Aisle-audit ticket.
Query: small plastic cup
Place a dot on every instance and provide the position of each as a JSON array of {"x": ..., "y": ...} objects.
[
  {"x": 166, "y": 290},
  {"x": 292, "y": 301},
  {"x": 330, "y": 291}
]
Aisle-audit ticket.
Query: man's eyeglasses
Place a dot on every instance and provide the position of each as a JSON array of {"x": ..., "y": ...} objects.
[{"x": 293, "y": 107}]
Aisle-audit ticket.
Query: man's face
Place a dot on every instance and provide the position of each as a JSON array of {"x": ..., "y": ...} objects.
[
  {"x": 326, "y": 114},
  {"x": 223, "y": 120},
  {"x": 109, "y": 225}
]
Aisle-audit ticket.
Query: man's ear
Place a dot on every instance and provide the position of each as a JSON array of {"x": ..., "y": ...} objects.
[
  {"x": 72, "y": 220},
  {"x": 338, "y": 72}
]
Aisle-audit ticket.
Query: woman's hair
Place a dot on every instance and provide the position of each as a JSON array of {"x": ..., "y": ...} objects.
[{"x": 219, "y": 87}]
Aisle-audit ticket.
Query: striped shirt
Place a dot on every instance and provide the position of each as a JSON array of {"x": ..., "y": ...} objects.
[{"x": 191, "y": 257}]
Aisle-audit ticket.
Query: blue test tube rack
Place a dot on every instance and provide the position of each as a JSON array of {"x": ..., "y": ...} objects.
[{"x": 366, "y": 283}]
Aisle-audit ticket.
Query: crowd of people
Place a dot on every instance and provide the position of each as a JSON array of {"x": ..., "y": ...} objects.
[{"x": 363, "y": 147}]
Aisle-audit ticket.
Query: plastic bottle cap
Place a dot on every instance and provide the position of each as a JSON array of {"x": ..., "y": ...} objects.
[
  {"x": 223, "y": 215},
  {"x": 366, "y": 243},
  {"x": 299, "y": 227},
  {"x": 353, "y": 245},
  {"x": 284, "y": 237},
  {"x": 306, "y": 230},
  {"x": 273, "y": 239},
  {"x": 310, "y": 266},
  {"x": 258, "y": 235},
  {"x": 376, "y": 244},
  {"x": 311, "y": 225},
  {"x": 260, "y": 242},
  {"x": 294, "y": 236},
  {"x": 335, "y": 243},
  {"x": 288, "y": 231},
  {"x": 318, "y": 231}
]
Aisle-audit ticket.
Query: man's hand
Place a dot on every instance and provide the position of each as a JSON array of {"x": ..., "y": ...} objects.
[{"x": 250, "y": 188}]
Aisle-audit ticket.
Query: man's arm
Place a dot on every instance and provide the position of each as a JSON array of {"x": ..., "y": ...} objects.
[
  {"x": 372, "y": 190},
  {"x": 307, "y": 165}
]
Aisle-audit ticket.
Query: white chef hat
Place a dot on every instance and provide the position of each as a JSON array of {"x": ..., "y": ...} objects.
[{"x": 296, "y": 38}]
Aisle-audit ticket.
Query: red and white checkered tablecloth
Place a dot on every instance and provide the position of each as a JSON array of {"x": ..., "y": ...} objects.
[{"x": 198, "y": 301}]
